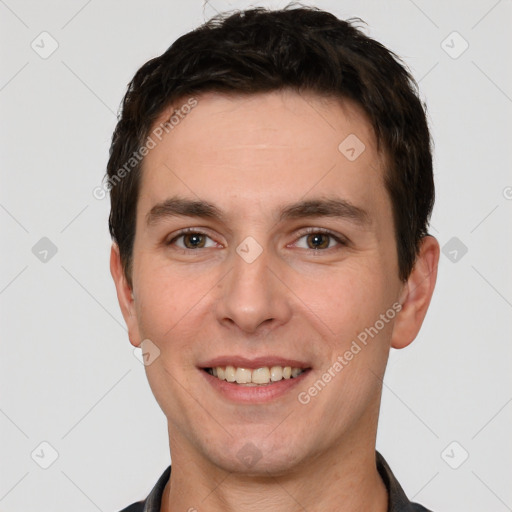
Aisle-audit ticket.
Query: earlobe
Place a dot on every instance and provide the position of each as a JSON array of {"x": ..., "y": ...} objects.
[
  {"x": 416, "y": 294},
  {"x": 125, "y": 295}
]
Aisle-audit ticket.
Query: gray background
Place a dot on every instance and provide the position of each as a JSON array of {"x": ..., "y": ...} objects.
[{"x": 68, "y": 372}]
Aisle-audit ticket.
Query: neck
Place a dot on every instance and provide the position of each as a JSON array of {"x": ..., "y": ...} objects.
[{"x": 346, "y": 479}]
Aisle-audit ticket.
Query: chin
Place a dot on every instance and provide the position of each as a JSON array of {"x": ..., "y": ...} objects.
[{"x": 257, "y": 456}]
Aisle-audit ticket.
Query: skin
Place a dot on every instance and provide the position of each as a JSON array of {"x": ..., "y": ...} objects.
[{"x": 250, "y": 157}]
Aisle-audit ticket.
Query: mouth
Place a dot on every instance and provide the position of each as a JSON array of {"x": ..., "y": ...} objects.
[
  {"x": 262, "y": 376},
  {"x": 254, "y": 381}
]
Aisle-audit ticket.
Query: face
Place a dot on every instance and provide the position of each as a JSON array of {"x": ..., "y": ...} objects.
[{"x": 263, "y": 245}]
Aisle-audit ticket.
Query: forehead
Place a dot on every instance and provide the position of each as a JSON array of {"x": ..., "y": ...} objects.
[
  {"x": 298, "y": 120},
  {"x": 264, "y": 148}
]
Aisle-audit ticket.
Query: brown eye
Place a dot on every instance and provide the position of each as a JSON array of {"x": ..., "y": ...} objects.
[
  {"x": 191, "y": 240},
  {"x": 318, "y": 241},
  {"x": 194, "y": 241}
]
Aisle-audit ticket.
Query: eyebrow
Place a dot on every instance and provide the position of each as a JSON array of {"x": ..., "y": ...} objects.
[
  {"x": 181, "y": 207},
  {"x": 339, "y": 208},
  {"x": 329, "y": 207}
]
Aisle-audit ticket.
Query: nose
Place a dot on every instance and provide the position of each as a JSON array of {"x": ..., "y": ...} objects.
[{"x": 253, "y": 297}]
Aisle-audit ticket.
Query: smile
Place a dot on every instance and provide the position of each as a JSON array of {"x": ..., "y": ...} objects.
[{"x": 257, "y": 377}]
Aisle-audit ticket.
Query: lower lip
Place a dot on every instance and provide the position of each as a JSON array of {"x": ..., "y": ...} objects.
[{"x": 253, "y": 394}]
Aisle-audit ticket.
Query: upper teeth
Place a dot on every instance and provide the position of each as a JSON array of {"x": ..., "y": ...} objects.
[{"x": 262, "y": 375}]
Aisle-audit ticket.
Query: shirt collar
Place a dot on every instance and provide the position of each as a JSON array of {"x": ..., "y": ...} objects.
[
  {"x": 397, "y": 499},
  {"x": 154, "y": 500}
]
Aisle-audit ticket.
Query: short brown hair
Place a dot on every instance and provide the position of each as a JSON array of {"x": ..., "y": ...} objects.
[{"x": 299, "y": 48}]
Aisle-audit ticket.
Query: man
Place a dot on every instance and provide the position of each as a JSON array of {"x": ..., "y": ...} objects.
[{"x": 271, "y": 185}]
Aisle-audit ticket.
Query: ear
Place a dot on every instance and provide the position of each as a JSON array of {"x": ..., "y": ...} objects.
[
  {"x": 124, "y": 296},
  {"x": 416, "y": 294}
]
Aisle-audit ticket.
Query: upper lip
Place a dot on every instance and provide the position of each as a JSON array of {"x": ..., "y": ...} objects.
[{"x": 252, "y": 364}]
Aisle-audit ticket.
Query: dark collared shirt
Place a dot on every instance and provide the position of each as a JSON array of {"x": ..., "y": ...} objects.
[{"x": 397, "y": 502}]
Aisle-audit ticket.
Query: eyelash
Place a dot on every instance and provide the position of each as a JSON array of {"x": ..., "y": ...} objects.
[{"x": 343, "y": 242}]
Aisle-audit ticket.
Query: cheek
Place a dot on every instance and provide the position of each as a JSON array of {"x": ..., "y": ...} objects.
[
  {"x": 165, "y": 298},
  {"x": 348, "y": 299}
]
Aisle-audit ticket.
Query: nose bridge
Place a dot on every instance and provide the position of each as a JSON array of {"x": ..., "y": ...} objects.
[{"x": 252, "y": 294}]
